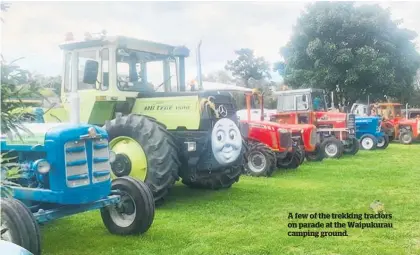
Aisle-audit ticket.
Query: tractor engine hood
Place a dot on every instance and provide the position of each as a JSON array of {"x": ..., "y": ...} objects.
[
  {"x": 367, "y": 119},
  {"x": 331, "y": 116},
  {"x": 40, "y": 132}
]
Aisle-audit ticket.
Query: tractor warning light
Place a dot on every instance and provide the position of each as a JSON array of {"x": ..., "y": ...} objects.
[{"x": 69, "y": 37}]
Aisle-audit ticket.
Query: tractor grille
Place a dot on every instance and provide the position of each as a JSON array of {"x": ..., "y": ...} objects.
[
  {"x": 351, "y": 124},
  {"x": 285, "y": 139},
  {"x": 351, "y": 121},
  {"x": 79, "y": 171},
  {"x": 230, "y": 109},
  {"x": 100, "y": 161},
  {"x": 314, "y": 137}
]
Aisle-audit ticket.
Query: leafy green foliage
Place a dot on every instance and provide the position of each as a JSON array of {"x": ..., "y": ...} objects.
[
  {"x": 16, "y": 85},
  {"x": 247, "y": 66},
  {"x": 355, "y": 51}
]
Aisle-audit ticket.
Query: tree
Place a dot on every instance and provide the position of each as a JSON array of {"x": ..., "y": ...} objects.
[
  {"x": 354, "y": 51},
  {"x": 247, "y": 66}
]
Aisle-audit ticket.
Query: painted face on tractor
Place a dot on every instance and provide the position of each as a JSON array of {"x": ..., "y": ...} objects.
[{"x": 226, "y": 141}]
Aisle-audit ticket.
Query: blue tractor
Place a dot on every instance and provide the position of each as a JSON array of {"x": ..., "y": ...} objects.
[
  {"x": 368, "y": 132},
  {"x": 58, "y": 170}
]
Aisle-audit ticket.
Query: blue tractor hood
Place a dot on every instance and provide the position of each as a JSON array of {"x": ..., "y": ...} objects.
[
  {"x": 40, "y": 132},
  {"x": 367, "y": 119}
]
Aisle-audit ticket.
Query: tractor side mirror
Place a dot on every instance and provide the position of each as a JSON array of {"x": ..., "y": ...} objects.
[
  {"x": 90, "y": 73},
  {"x": 304, "y": 98}
]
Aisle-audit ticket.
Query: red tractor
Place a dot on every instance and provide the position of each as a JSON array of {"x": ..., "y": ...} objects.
[
  {"x": 335, "y": 130},
  {"x": 409, "y": 130},
  {"x": 270, "y": 144}
]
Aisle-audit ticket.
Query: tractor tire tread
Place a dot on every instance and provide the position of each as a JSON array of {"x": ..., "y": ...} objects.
[
  {"x": 24, "y": 222},
  {"x": 268, "y": 153},
  {"x": 158, "y": 145},
  {"x": 145, "y": 206}
]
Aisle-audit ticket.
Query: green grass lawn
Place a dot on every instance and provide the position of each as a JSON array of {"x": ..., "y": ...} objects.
[{"x": 251, "y": 217}]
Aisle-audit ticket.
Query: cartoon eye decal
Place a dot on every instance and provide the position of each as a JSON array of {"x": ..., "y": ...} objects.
[
  {"x": 232, "y": 134},
  {"x": 220, "y": 135}
]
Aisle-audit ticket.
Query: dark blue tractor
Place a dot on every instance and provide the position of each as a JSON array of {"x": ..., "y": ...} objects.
[
  {"x": 368, "y": 132},
  {"x": 58, "y": 170}
]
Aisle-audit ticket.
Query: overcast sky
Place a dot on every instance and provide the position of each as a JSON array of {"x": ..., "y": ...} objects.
[{"x": 34, "y": 29}]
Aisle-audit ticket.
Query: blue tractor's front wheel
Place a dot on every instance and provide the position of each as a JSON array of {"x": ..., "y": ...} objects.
[{"x": 134, "y": 213}]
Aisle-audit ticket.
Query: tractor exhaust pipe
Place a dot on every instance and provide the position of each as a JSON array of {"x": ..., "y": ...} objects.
[
  {"x": 406, "y": 111},
  {"x": 332, "y": 101},
  {"x": 74, "y": 96},
  {"x": 368, "y": 106},
  {"x": 199, "y": 79}
]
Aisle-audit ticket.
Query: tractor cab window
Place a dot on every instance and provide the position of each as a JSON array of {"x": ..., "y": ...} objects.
[
  {"x": 82, "y": 57},
  {"x": 318, "y": 101},
  {"x": 302, "y": 104},
  {"x": 398, "y": 110},
  {"x": 143, "y": 71},
  {"x": 286, "y": 103},
  {"x": 105, "y": 69},
  {"x": 67, "y": 72}
]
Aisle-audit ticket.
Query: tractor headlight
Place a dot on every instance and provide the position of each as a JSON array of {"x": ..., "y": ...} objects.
[
  {"x": 191, "y": 146},
  {"x": 112, "y": 156},
  {"x": 42, "y": 166}
]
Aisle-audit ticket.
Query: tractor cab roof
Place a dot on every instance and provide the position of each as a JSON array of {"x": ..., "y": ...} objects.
[
  {"x": 296, "y": 91},
  {"x": 129, "y": 43},
  {"x": 387, "y": 104}
]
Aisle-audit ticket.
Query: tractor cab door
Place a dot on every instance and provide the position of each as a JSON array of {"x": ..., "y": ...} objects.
[
  {"x": 88, "y": 93},
  {"x": 302, "y": 109}
]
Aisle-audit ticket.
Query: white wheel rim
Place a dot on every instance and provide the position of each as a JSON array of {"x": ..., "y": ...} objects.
[
  {"x": 122, "y": 219},
  {"x": 255, "y": 157},
  {"x": 406, "y": 138},
  {"x": 381, "y": 142},
  {"x": 331, "y": 149},
  {"x": 367, "y": 143}
]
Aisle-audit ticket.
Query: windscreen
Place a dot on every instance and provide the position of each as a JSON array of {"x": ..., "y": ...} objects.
[{"x": 144, "y": 72}]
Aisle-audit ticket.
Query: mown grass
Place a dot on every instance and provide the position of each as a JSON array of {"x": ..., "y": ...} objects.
[{"x": 251, "y": 217}]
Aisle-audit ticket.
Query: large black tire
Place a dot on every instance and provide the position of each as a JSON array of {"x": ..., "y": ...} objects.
[
  {"x": 406, "y": 136},
  {"x": 21, "y": 225},
  {"x": 135, "y": 195},
  {"x": 353, "y": 148},
  {"x": 332, "y": 142},
  {"x": 368, "y": 142},
  {"x": 292, "y": 160},
  {"x": 222, "y": 179},
  {"x": 317, "y": 155},
  {"x": 261, "y": 160},
  {"x": 158, "y": 145},
  {"x": 302, "y": 156},
  {"x": 383, "y": 142}
]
